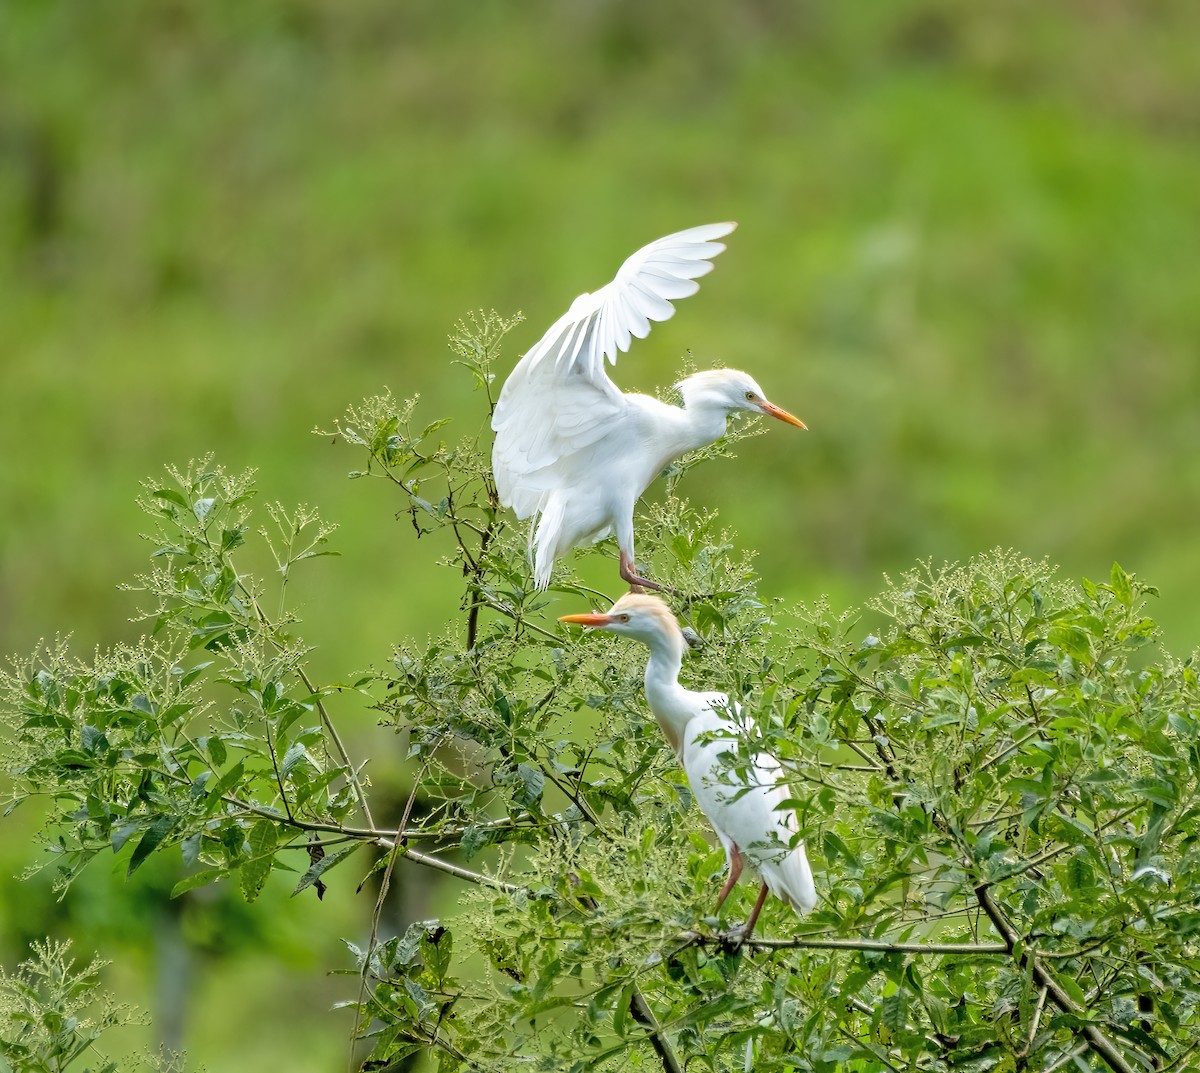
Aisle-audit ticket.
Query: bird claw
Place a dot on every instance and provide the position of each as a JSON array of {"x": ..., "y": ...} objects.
[
  {"x": 640, "y": 584},
  {"x": 637, "y": 583},
  {"x": 731, "y": 940}
]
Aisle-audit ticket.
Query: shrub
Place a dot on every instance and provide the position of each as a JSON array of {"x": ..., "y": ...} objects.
[{"x": 995, "y": 772}]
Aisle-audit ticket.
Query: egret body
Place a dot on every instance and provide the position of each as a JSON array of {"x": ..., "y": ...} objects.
[
  {"x": 573, "y": 452},
  {"x": 750, "y": 823}
]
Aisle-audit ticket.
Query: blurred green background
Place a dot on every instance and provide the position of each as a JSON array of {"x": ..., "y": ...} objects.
[{"x": 967, "y": 257}]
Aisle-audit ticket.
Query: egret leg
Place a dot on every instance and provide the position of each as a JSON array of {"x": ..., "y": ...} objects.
[
  {"x": 735, "y": 870},
  {"x": 636, "y": 581},
  {"x": 749, "y": 926}
]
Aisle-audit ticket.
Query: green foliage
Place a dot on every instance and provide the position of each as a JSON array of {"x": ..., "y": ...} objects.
[
  {"x": 209, "y": 732},
  {"x": 49, "y": 1022},
  {"x": 1023, "y": 773},
  {"x": 996, "y": 784}
]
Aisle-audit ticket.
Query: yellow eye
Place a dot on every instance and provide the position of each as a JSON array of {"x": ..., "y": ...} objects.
[
  {"x": 624, "y": 618},
  {"x": 749, "y": 396}
]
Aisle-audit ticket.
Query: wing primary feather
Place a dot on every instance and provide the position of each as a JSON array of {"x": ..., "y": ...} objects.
[
  {"x": 580, "y": 339},
  {"x": 625, "y": 316},
  {"x": 650, "y": 304},
  {"x": 563, "y": 343},
  {"x": 601, "y": 325},
  {"x": 682, "y": 267},
  {"x": 668, "y": 287}
]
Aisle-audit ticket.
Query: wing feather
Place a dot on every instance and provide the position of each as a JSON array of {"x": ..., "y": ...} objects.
[
  {"x": 668, "y": 287},
  {"x": 579, "y": 334},
  {"x": 559, "y": 399}
]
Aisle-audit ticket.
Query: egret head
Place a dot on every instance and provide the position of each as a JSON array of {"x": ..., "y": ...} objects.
[
  {"x": 642, "y": 617},
  {"x": 730, "y": 390}
]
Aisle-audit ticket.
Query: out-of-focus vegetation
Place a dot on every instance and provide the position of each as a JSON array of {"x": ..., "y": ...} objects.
[
  {"x": 51, "y": 1017},
  {"x": 966, "y": 258}
]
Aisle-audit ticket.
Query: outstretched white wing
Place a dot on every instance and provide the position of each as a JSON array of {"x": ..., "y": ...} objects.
[{"x": 559, "y": 399}]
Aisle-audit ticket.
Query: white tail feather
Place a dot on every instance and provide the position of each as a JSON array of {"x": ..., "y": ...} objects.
[
  {"x": 544, "y": 539},
  {"x": 791, "y": 880}
]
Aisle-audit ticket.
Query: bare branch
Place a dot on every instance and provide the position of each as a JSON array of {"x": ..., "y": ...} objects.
[{"x": 881, "y": 945}]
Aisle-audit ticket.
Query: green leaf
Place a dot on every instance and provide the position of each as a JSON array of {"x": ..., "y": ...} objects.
[
  {"x": 295, "y": 755},
  {"x": 305, "y": 791},
  {"x": 141, "y": 703},
  {"x": 894, "y": 1010},
  {"x": 532, "y": 784},
  {"x": 1159, "y": 791},
  {"x": 232, "y": 538},
  {"x": 1121, "y": 584},
  {"x": 122, "y": 834},
  {"x": 192, "y": 673},
  {"x": 172, "y": 713},
  {"x": 216, "y": 750},
  {"x": 420, "y": 997},
  {"x": 156, "y": 831},
  {"x": 190, "y": 848},
  {"x": 433, "y": 426},
  {"x": 291, "y": 711},
  {"x": 229, "y": 780},
  {"x": 92, "y": 740},
  {"x": 319, "y": 868},
  {"x": 257, "y": 867},
  {"x": 171, "y": 496},
  {"x": 198, "y": 879},
  {"x": 437, "y": 947},
  {"x": 1073, "y": 989},
  {"x": 1079, "y": 874},
  {"x": 474, "y": 838},
  {"x": 1072, "y": 640},
  {"x": 621, "y": 1009}
]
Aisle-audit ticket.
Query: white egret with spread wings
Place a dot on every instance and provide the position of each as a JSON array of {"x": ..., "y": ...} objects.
[{"x": 572, "y": 451}]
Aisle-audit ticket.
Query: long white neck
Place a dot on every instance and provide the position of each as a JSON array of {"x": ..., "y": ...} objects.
[
  {"x": 701, "y": 421},
  {"x": 672, "y": 705}
]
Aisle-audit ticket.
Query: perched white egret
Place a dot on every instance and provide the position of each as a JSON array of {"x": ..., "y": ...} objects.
[
  {"x": 575, "y": 453},
  {"x": 744, "y": 807}
]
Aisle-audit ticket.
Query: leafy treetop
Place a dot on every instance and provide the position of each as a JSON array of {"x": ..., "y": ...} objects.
[{"x": 996, "y": 781}]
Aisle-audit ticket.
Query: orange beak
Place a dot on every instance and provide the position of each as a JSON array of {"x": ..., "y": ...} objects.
[
  {"x": 782, "y": 414},
  {"x": 593, "y": 619}
]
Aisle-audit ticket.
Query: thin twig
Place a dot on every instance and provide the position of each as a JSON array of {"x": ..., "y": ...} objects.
[
  {"x": 343, "y": 755},
  {"x": 1058, "y": 851},
  {"x": 1037, "y": 1019},
  {"x": 861, "y": 752},
  {"x": 1008, "y": 750},
  {"x": 478, "y": 878},
  {"x": 287, "y": 808},
  {"x": 508, "y": 613}
]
